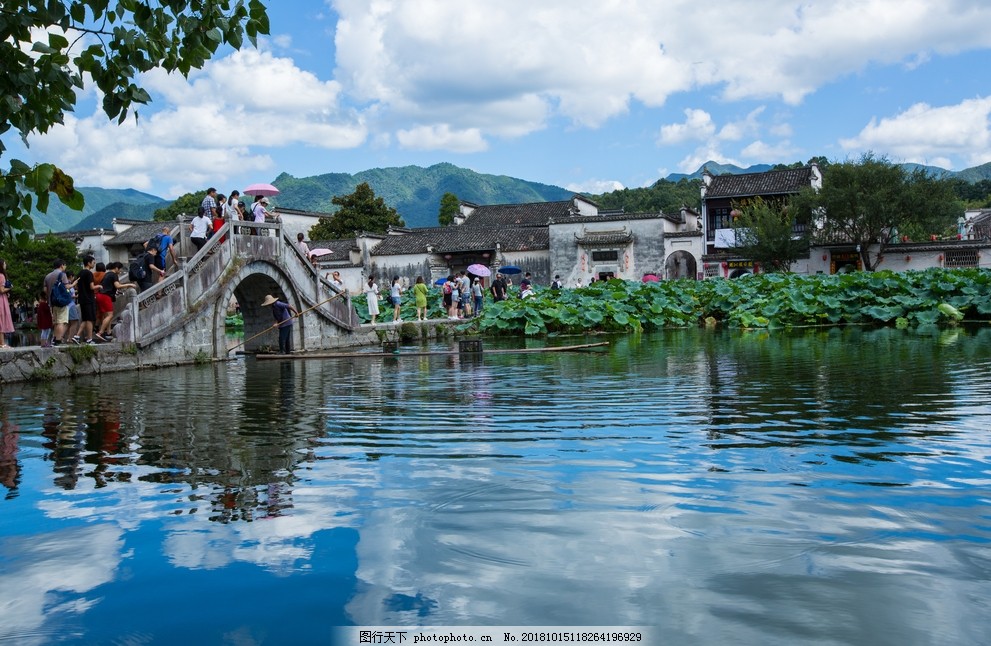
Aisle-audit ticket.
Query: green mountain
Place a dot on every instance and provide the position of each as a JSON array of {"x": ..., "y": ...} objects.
[
  {"x": 975, "y": 174},
  {"x": 972, "y": 175},
  {"x": 104, "y": 218},
  {"x": 414, "y": 191},
  {"x": 62, "y": 218},
  {"x": 719, "y": 169}
]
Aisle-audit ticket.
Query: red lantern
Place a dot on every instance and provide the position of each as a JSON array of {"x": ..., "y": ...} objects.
[
  {"x": 825, "y": 257},
  {"x": 908, "y": 258},
  {"x": 941, "y": 257}
]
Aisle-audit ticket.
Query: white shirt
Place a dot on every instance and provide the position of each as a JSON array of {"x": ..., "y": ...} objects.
[
  {"x": 259, "y": 211},
  {"x": 200, "y": 224}
]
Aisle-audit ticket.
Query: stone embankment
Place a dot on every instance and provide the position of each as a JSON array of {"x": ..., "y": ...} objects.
[{"x": 35, "y": 363}]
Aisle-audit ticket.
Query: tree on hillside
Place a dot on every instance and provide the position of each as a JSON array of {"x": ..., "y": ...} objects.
[
  {"x": 187, "y": 204},
  {"x": 28, "y": 262},
  {"x": 47, "y": 49},
  {"x": 664, "y": 196},
  {"x": 872, "y": 201},
  {"x": 765, "y": 233},
  {"x": 359, "y": 211},
  {"x": 450, "y": 205}
]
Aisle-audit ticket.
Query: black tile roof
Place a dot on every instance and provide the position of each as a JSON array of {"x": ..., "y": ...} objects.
[
  {"x": 340, "y": 249},
  {"x": 509, "y": 215},
  {"x": 456, "y": 239},
  {"x": 774, "y": 182},
  {"x": 139, "y": 233}
]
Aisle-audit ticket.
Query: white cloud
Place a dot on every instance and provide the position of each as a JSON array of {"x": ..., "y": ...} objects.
[
  {"x": 588, "y": 64},
  {"x": 762, "y": 152},
  {"x": 927, "y": 134},
  {"x": 700, "y": 155},
  {"x": 746, "y": 127},
  {"x": 596, "y": 186},
  {"x": 217, "y": 123},
  {"x": 442, "y": 137},
  {"x": 697, "y": 126}
]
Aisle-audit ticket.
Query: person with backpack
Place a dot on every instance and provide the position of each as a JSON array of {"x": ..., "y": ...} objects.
[
  {"x": 143, "y": 269},
  {"x": 163, "y": 244},
  {"x": 57, "y": 286}
]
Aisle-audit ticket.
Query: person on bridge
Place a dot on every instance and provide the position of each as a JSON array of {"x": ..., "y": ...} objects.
[
  {"x": 283, "y": 313},
  {"x": 371, "y": 292}
]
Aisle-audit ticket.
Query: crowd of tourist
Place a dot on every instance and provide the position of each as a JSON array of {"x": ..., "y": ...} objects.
[{"x": 462, "y": 296}]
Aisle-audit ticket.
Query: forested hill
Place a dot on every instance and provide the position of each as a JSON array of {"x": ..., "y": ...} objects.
[
  {"x": 414, "y": 191},
  {"x": 61, "y": 218}
]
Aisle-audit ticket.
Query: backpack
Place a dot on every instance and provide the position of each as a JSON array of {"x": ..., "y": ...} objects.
[
  {"x": 447, "y": 287},
  {"x": 136, "y": 271},
  {"x": 155, "y": 243},
  {"x": 60, "y": 294}
]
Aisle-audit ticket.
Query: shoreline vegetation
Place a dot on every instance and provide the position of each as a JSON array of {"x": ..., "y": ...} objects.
[{"x": 912, "y": 299}]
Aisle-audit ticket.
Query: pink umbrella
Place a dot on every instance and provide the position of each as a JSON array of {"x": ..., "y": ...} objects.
[
  {"x": 651, "y": 278},
  {"x": 320, "y": 252},
  {"x": 479, "y": 270},
  {"x": 261, "y": 189}
]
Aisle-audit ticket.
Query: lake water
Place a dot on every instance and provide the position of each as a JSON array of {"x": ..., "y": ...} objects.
[{"x": 746, "y": 488}]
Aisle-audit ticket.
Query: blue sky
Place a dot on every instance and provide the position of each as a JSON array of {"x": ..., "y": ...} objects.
[{"x": 586, "y": 95}]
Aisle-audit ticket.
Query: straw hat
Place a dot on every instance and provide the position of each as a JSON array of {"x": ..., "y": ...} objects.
[{"x": 269, "y": 300}]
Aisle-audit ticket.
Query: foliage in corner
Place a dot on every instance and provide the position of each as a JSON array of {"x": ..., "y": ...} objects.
[{"x": 47, "y": 49}]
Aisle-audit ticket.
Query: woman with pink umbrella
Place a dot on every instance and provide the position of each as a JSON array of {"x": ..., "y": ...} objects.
[{"x": 259, "y": 210}]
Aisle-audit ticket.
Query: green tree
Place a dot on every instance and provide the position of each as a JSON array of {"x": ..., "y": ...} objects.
[
  {"x": 28, "y": 262},
  {"x": 359, "y": 211},
  {"x": 47, "y": 48},
  {"x": 450, "y": 205},
  {"x": 870, "y": 202},
  {"x": 187, "y": 204},
  {"x": 765, "y": 233},
  {"x": 664, "y": 196}
]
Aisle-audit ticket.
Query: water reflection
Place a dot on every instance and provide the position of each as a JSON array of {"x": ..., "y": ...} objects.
[{"x": 745, "y": 487}]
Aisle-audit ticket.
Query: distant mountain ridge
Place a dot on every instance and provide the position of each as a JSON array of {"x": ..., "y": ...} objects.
[
  {"x": 62, "y": 218},
  {"x": 414, "y": 191},
  {"x": 972, "y": 175}
]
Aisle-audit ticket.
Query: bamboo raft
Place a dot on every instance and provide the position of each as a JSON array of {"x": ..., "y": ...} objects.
[{"x": 424, "y": 353}]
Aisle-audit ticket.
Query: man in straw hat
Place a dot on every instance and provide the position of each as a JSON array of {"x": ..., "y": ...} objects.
[{"x": 283, "y": 313}]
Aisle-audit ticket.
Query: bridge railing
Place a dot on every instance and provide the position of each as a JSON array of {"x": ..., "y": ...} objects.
[{"x": 157, "y": 311}]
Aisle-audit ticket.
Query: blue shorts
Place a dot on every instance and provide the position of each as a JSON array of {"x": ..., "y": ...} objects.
[{"x": 395, "y": 300}]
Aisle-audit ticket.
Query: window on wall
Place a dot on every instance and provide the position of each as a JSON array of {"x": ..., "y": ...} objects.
[
  {"x": 961, "y": 258},
  {"x": 721, "y": 218},
  {"x": 605, "y": 256}
]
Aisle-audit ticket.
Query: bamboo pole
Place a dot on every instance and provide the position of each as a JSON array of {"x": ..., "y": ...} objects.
[{"x": 278, "y": 323}]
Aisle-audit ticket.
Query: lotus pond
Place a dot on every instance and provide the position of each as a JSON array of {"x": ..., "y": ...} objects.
[{"x": 905, "y": 299}]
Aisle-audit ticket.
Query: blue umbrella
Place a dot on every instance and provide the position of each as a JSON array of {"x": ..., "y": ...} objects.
[
  {"x": 510, "y": 269},
  {"x": 440, "y": 281}
]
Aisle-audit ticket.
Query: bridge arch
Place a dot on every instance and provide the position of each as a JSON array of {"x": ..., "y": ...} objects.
[
  {"x": 183, "y": 316},
  {"x": 249, "y": 286}
]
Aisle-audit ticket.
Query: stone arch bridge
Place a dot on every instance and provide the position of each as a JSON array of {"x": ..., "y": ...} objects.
[{"x": 182, "y": 317}]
